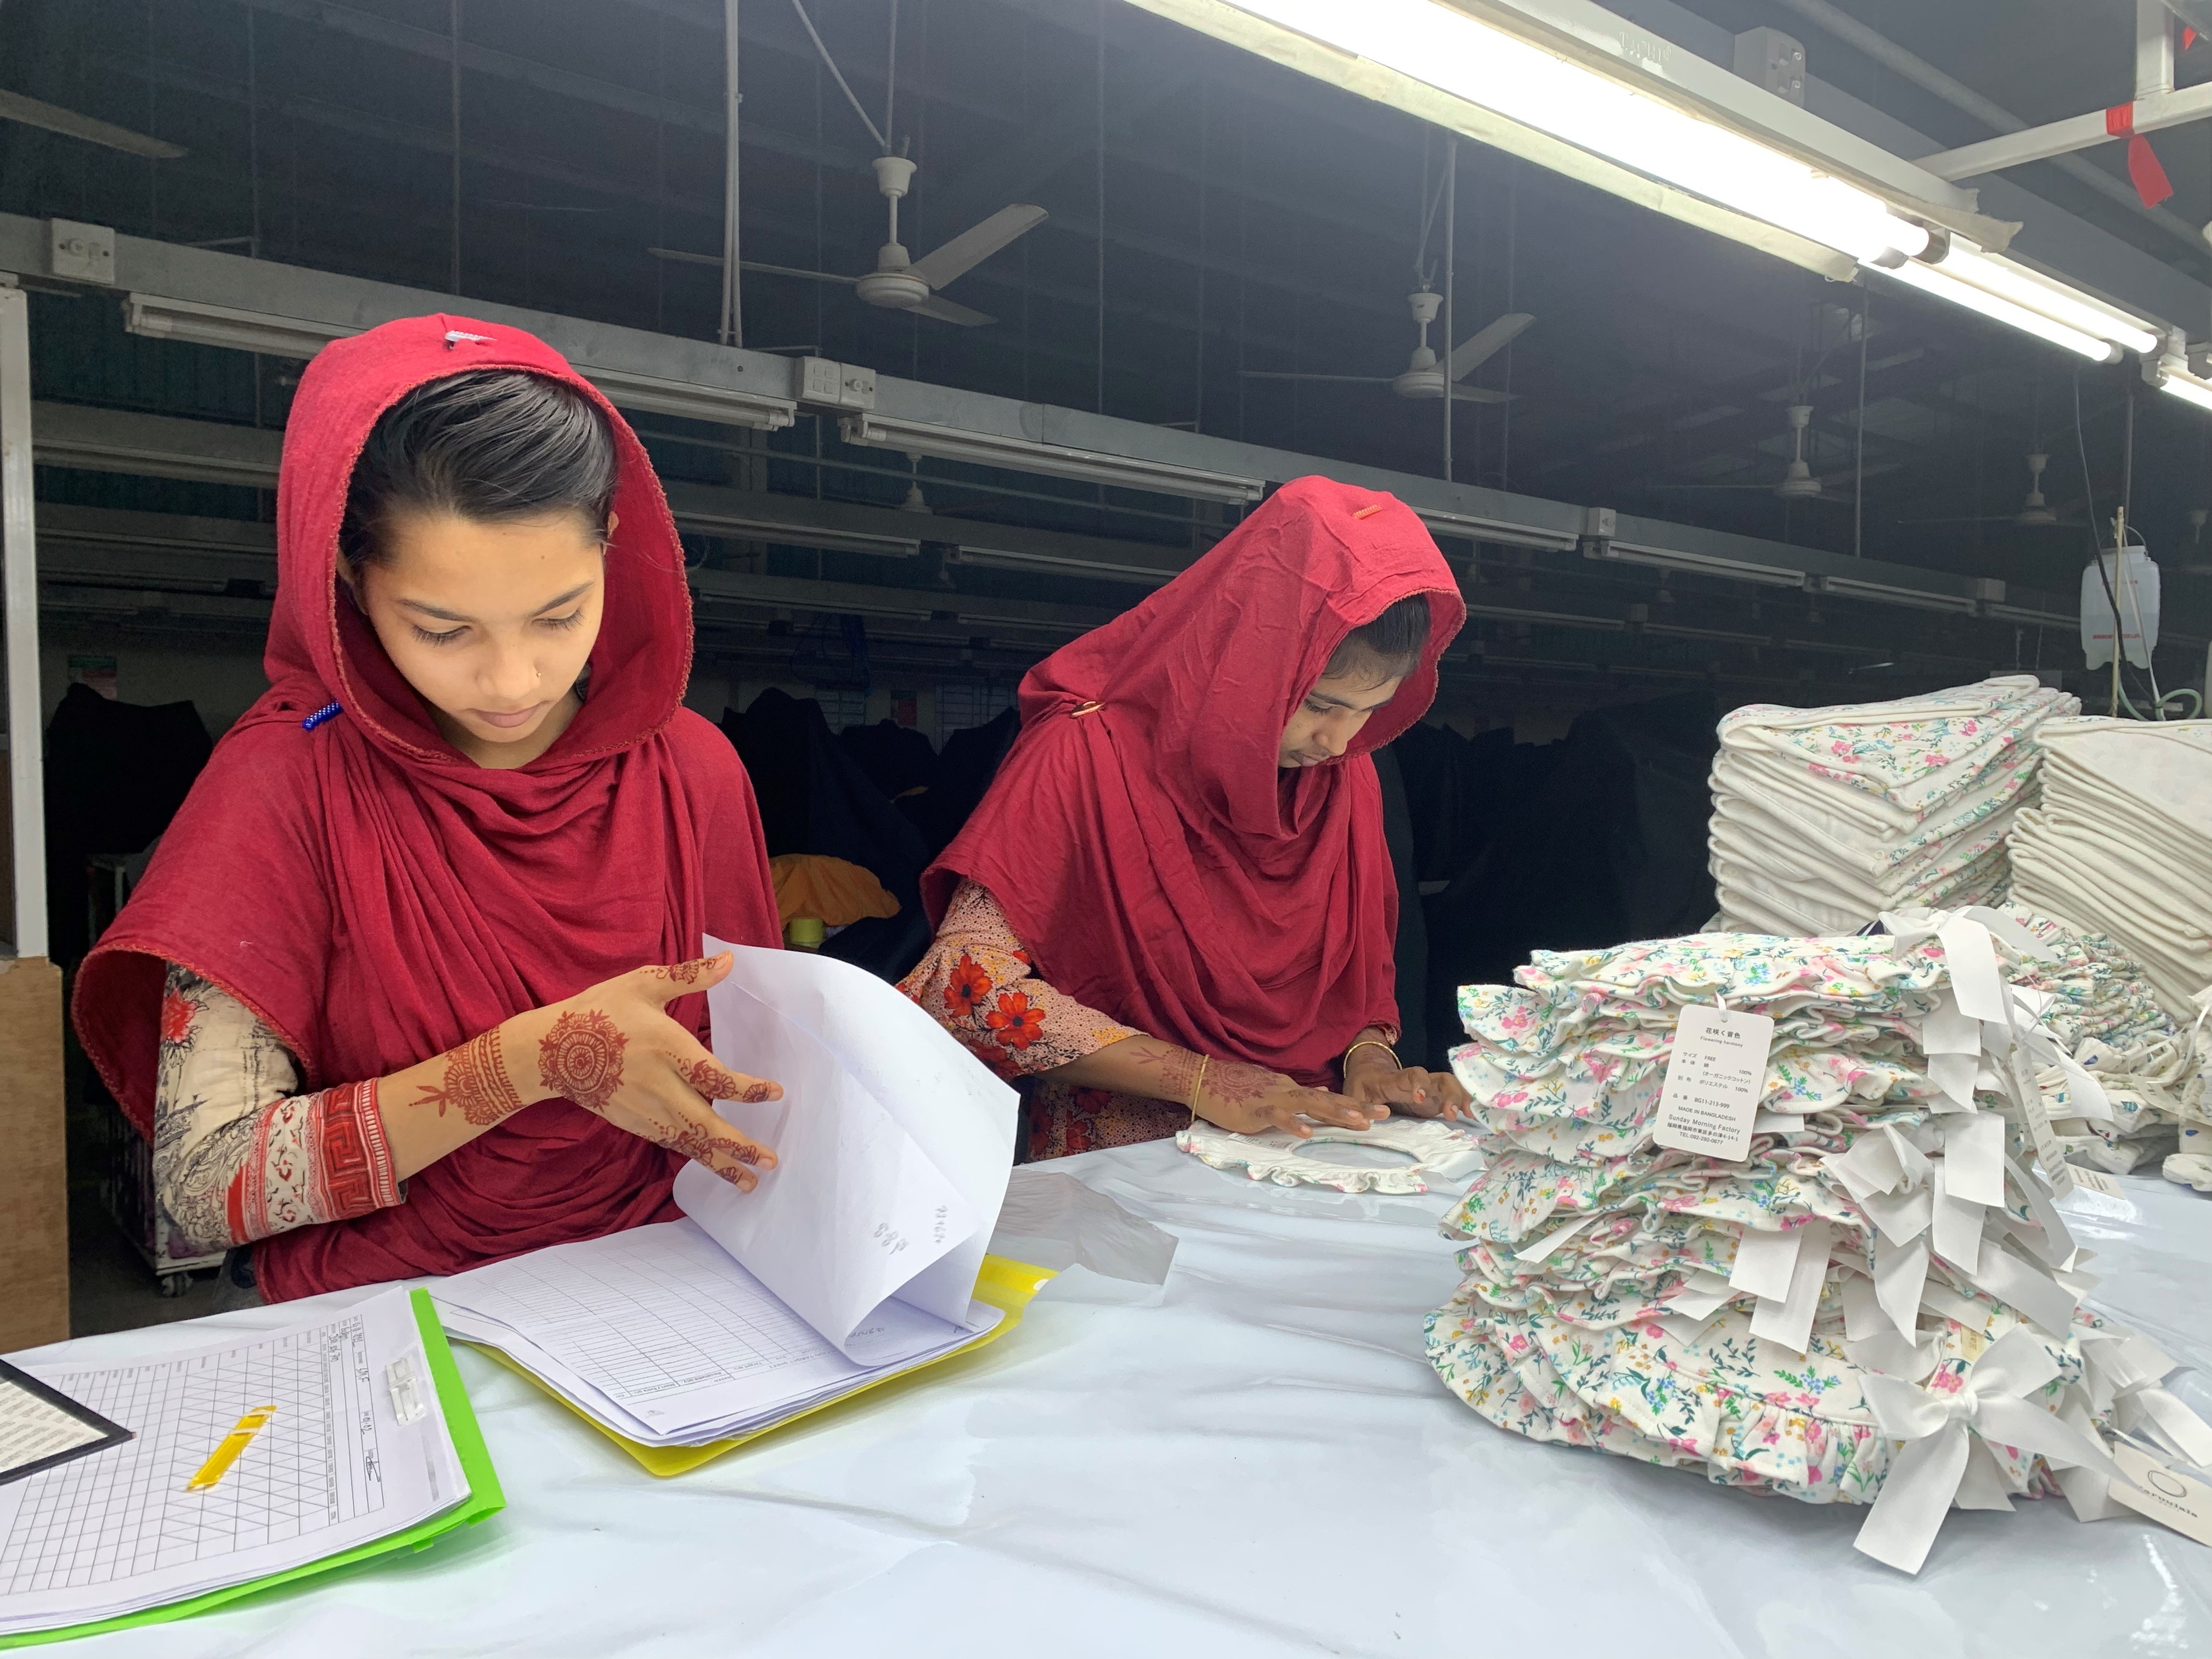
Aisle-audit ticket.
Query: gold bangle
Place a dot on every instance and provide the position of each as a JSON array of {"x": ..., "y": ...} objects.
[
  {"x": 1370, "y": 1043},
  {"x": 1197, "y": 1082}
]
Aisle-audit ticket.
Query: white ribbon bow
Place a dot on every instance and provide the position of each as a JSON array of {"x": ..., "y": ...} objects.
[{"x": 1991, "y": 1400}]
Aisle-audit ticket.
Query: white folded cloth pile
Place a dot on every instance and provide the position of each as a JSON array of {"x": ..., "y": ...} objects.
[
  {"x": 2104, "y": 1014},
  {"x": 2121, "y": 844},
  {"x": 1825, "y": 817},
  {"x": 1879, "y": 1305}
]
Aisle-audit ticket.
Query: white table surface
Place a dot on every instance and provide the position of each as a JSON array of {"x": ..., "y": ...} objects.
[{"x": 1252, "y": 1459}]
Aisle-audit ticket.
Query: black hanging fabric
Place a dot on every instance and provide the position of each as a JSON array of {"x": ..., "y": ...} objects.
[
  {"x": 964, "y": 771},
  {"x": 1600, "y": 841},
  {"x": 116, "y": 773},
  {"x": 1413, "y": 952},
  {"x": 815, "y": 797},
  {"x": 897, "y": 759}
]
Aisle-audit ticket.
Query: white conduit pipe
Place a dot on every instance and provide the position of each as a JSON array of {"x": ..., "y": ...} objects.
[{"x": 1929, "y": 79}]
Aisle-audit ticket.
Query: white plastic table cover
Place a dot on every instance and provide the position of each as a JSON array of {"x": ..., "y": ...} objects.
[{"x": 1253, "y": 1458}]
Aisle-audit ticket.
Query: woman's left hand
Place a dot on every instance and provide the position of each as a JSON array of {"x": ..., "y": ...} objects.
[{"x": 1370, "y": 1076}]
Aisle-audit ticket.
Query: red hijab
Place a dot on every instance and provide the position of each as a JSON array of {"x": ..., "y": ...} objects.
[
  {"x": 375, "y": 898},
  {"x": 1151, "y": 855}
]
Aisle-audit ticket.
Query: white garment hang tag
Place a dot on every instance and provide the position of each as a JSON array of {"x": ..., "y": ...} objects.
[
  {"x": 1700, "y": 1298},
  {"x": 2167, "y": 1496},
  {"x": 1900, "y": 1273},
  {"x": 1716, "y": 1078},
  {"x": 1552, "y": 1240},
  {"x": 1973, "y": 1158},
  {"x": 1956, "y": 1232},
  {"x": 1973, "y": 962},
  {"x": 1764, "y": 1262},
  {"x": 1949, "y": 1031},
  {"x": 1789, "y": 1321}
]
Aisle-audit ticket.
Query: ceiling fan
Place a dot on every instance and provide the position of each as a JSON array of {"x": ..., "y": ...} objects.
[
  {"x": 1797, "y": 482},
  {"x": 1424, "y": 376},
  {"x": 2034, "y": 513},
  {"x": 899, "y": 282}
]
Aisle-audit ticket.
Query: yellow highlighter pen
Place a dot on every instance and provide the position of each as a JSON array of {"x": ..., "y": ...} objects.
[{"x": 220, "y": 1460}]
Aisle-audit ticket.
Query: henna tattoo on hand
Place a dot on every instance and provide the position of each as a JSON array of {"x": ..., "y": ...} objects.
[
  {"x": 580, "y": 1058},
  {"x": 1233, "y": 1082},
  {"x": 687, "y": 973},
  {"x": 700, "y": 1147},
  {"x": 1178, "y": 1070},
  {"x": 712, "y": 1082},
  {"x": 475, "y": 1083}
]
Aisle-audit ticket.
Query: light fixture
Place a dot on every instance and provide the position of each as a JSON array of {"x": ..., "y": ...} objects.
[
  {"x": 1053, "y": 460},
  {"x": 760, "y": 528},
  {"x": 220, "y": 325},
  {"x": 2007, "y": 279},
  {"x": 2171, "y": 377},
  {"x": 688, "y": 400},
  {"x": 1937, "y": 281},
  {"x": 298, "y": 338},
  {"x": 1708, "y": 564},
  {"x": 1445, "y": 48},
  {"x": 1437, "y": 46},
  {"x": 1101, "y": 569},
  {"x": 1477, "y": 528}
]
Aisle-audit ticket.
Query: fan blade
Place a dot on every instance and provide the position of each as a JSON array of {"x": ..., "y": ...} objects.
[
  {"x": 14, "y": 106},
  {"x": 974, "y": 245},
  {"x": 1348, "y": 379},
  {"x": 1482, "y": 394},
  {"x": 945, "y": 311},
  {"x": 1477, "y": 349}
]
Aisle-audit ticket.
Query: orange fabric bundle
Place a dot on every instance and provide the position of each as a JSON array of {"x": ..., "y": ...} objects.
[{"x": 837, "y": 890}]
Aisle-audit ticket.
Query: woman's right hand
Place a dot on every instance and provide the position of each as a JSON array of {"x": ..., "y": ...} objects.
[
  {"x": 1250, "y": 1098},
  {"x": 613, "y": 1050}
]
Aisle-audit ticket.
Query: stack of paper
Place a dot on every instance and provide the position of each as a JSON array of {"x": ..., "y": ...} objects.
[
  {"x": 263, "y": 1458},
  {"x": 1825, "y": 817},
  {"x": 855, "y": 1258}
]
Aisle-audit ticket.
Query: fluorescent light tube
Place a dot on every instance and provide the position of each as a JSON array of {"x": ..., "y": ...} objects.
[
  {"x": 1933, "y": 280},
  {"x": 1705, "y": 564},
  {"x": 220, "y": 325},
  {"x": 2068, "y": 307},
  {"x": 2187, "y": 387},
  {"x": 1052, "y": 460},
  {"x": 1456, "y": 54}
]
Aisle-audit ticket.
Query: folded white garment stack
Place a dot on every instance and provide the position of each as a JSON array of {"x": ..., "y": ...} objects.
[
  {"x": 2121, "y": 844},
  {"x": 1825, "y": 817},
  {"x": 1880, "y": 1303}
]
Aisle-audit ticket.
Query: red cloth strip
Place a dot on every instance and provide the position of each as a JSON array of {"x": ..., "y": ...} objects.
[{"x": 2144, "y": 172}]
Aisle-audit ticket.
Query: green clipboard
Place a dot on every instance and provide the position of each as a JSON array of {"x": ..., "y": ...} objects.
[{"x": 484, "y": 1499}]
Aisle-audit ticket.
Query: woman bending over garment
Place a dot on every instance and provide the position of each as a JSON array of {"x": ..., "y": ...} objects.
[
  {"x": 1175, "y": 900},
  {"x": 411, "y": 983}
]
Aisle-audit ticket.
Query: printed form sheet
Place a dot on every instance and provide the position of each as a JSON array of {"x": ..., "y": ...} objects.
[{"x": 331, "y": 1467}]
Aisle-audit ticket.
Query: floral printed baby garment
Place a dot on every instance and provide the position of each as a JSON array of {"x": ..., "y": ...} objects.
[
  {"x": 2105, "y": 1017},
  {"x": 1794, "y": 1321},
  {"x": 1825, "y": 817},
  {"x": 2121, "y": 844}
]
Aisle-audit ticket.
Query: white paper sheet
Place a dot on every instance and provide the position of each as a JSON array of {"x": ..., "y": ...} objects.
[
  {"x": 659, "y": 1333},
  {"x": 893, "y": 1146},
  {"x": 333, "y": 1467}
]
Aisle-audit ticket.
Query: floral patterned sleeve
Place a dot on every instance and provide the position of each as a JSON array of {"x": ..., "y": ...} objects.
[
  {"x": 977, "y": 983},
  {"x": 237, "y": 1154}
]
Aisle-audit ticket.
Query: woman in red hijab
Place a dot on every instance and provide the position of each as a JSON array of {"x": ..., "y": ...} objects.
[
  {"x": 411, "y": 983},
  {"x": 1175, "y": 900}
]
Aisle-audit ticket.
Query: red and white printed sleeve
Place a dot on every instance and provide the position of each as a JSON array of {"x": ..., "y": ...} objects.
[
  {"x": 978, "y": 983},
  {"x": 237, "y": 1154}
]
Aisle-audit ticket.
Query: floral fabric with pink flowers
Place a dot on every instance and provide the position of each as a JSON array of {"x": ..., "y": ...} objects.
[{"x": 1625, "y": 1335}]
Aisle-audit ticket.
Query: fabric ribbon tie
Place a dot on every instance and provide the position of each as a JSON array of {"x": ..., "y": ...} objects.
[
  {"x": 2144, "y": 172},
  {"x": 1992, "y": 1401}
]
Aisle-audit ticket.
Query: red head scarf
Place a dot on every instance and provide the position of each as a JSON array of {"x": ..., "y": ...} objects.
[
  {"x": 1152, "y": 856},
  {"x": 376, "y": 897}
]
